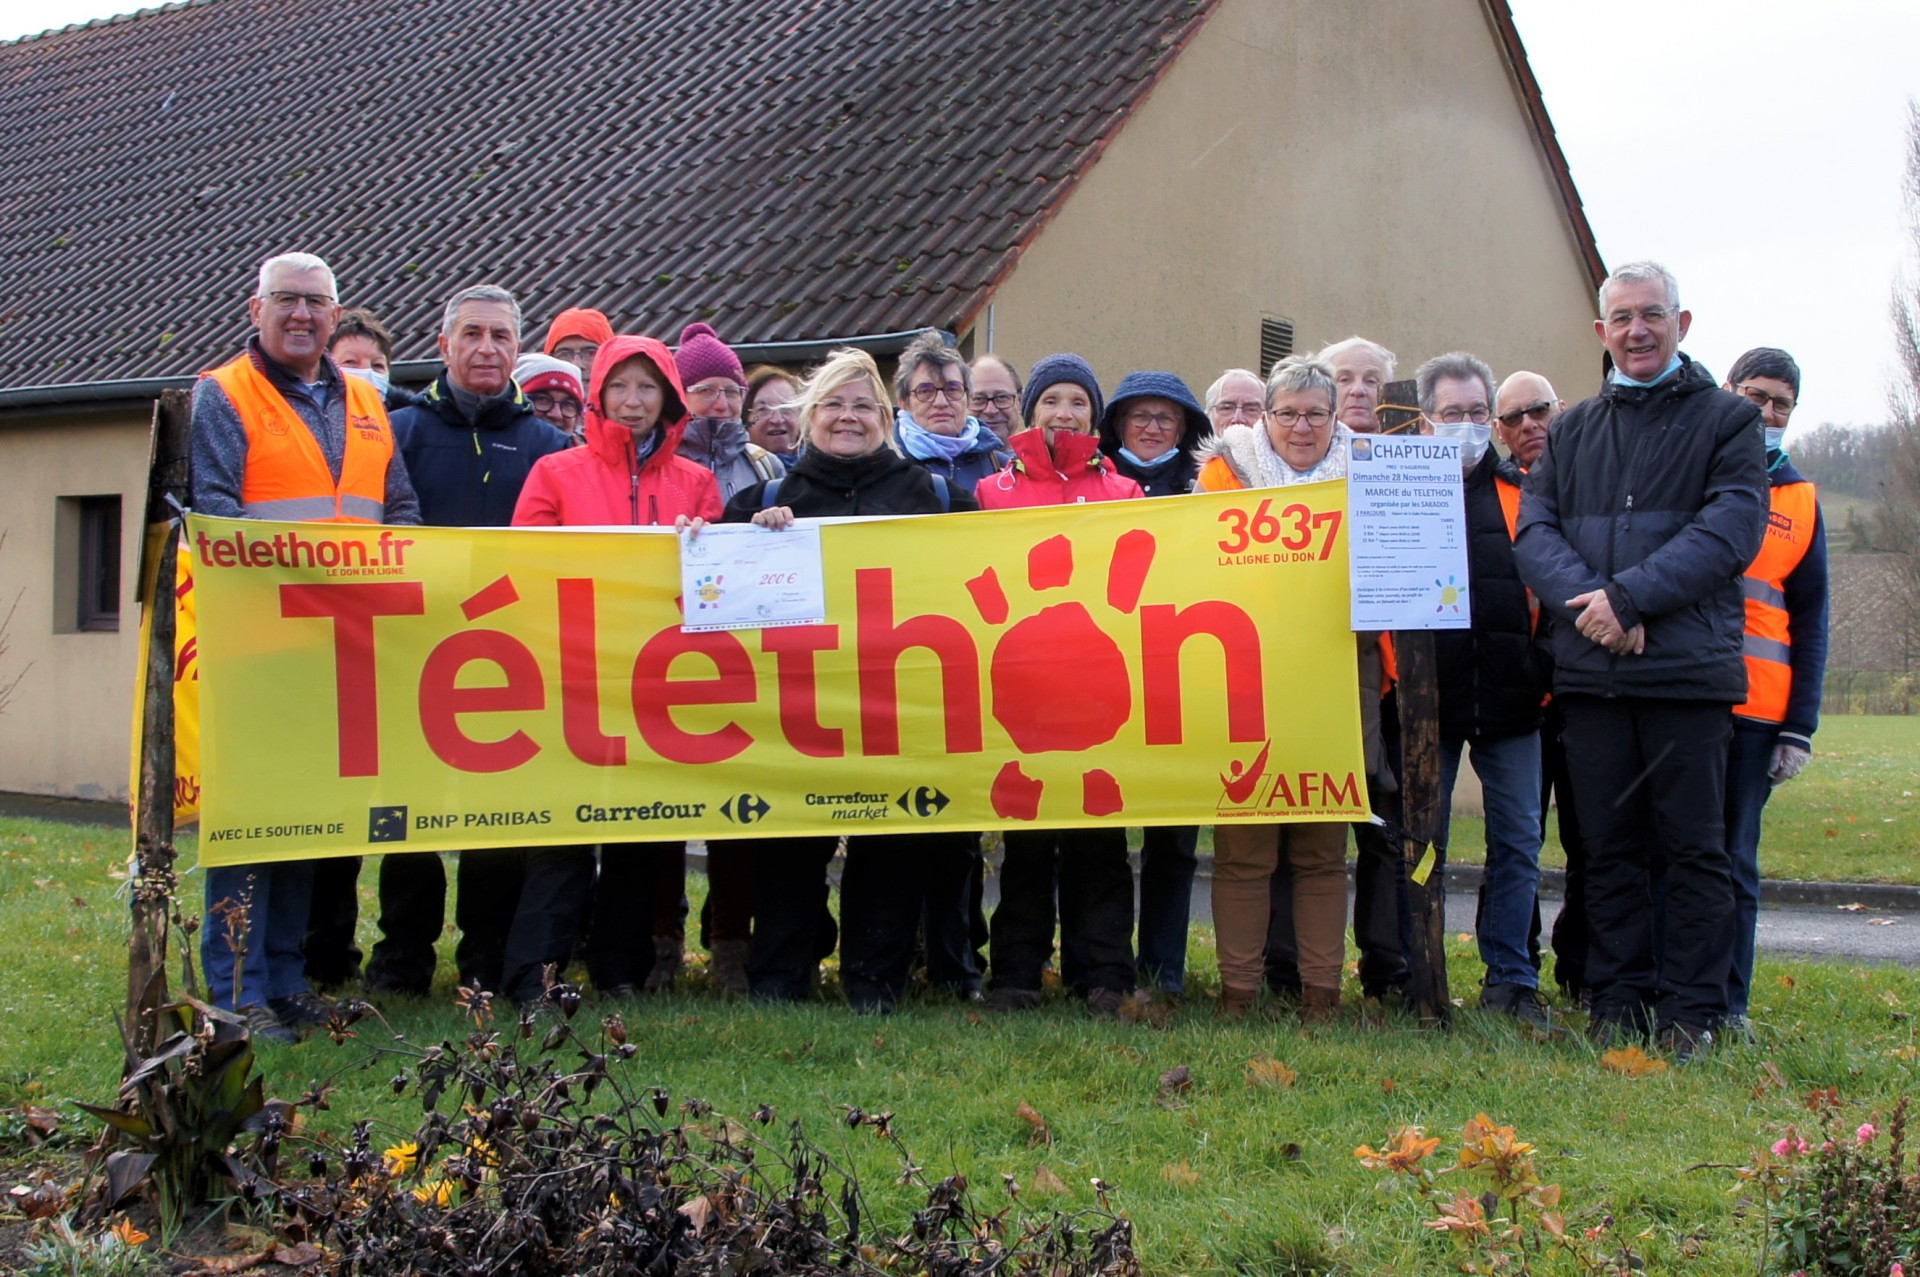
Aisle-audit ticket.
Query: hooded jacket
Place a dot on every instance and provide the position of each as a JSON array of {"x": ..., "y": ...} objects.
[
  {"x": 1492, "y": 676},
  {"x": 469, "y": 474},
  {"x": 1169, "y": 478},
  {"x": 722, "y": 446},
  {"x": 1074, "y": 472},
  {"x": 1657, "y": 495},
  {"x": 600, "y": 484}
]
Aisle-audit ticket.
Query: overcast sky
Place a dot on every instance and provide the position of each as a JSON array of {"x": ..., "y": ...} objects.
[{"x": 1755, "y": 147}]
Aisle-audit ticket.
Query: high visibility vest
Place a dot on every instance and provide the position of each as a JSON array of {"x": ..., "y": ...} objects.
[
  {"x": 1510, "y": 507},
  {"x": 287, "y": 475},
  {"x": 1769, "y": 646}
]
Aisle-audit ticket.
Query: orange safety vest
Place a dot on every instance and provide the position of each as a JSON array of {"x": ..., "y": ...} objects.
[
  {"x": 1510, "y": 507},
  {"x": 1769, "y": 646},
  {"x": 287, "y": 475}
]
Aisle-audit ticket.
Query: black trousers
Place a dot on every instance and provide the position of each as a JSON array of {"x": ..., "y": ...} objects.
[
  {"x": 1089, "y": 867},
  {"x": 332, "y": 915},
  {"x": 792, "y": 927},
  {"x": 619, "y": 948},
  {"x": 413, "y": 908},
  {"x": 1649, "y": 779},
  {"x": 892, "y": 885},
  {"x": 545, "y": 917},
  {"x": 1556, "y": 783}
]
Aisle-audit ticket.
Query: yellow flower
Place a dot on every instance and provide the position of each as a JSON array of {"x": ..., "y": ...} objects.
[
  {"x": 402, "y": 1158},
  {"x": 127, "y": 1233},
  {"x": 437, "y": 1192}
]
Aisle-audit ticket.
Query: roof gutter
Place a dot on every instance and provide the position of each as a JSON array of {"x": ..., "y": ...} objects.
[{"x": 417, "y": 372}]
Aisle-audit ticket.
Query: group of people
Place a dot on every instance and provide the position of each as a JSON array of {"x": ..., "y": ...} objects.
[{"x": 1648, "y": 597}]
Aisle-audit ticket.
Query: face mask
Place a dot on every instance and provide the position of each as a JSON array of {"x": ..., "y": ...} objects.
[
  {"x": 1474, "y": 436},
  {"x": 1775, "y": 436},
  {"x": 374, "y": 375}
]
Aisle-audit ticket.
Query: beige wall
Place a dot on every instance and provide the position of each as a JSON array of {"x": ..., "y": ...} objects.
[
  {"x": 67, "y": 728},
  {"x": 1351, "y": 168}
]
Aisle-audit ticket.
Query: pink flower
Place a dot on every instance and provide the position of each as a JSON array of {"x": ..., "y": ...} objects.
[
  {"x": 1897, "y": 1270},
  {"x": 1866, "y": 1132},
  {"x": 1791, "y": 1146}
]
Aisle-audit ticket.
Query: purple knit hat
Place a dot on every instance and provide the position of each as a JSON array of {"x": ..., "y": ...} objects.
[{"x": 702, "y": 355}]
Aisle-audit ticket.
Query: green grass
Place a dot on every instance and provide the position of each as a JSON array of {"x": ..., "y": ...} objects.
[
  {"x": 1852, "y": 816},
  {"x": 1235, "y": 1202}
]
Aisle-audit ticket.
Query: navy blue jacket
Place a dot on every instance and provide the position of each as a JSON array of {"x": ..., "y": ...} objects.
[
  {"x": 1655, "y": 494},
  {"x": 469, "y": 475},
  {"x": 965, "y": 471},
  {"x": 1493, "y": 676},
  {"x": 1806, "y": 591}
]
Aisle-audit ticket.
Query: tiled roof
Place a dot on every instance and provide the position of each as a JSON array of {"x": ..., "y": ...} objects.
[{"x": 786, "y": 169}]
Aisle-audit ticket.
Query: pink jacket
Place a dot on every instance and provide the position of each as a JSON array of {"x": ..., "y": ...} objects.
[
  {"x": 1074, "y": 472},
  {"x": 598, "y": 484}
]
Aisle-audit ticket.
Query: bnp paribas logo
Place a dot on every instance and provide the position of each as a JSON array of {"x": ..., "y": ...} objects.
[{"x": 386, "y": 824}]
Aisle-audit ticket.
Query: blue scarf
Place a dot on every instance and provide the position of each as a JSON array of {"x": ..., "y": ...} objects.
[
  {"x": 923, "y": 444},
  {"x": 1621, "y": 379},
  {"x": 1165, "y": 458}
]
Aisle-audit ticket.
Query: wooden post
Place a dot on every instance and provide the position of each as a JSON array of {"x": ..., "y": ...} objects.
[
  {"x": 154, "y": 880},
  {"x": 1420, "y": 789}
]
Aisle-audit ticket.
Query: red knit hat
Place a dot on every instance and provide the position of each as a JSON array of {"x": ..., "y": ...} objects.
[
  {"x": 702, "y": 355},
  {"x": 579, "y": 322}
]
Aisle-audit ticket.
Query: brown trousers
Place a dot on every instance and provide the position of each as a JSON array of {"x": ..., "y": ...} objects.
[{"x": 1244, "y": 858}]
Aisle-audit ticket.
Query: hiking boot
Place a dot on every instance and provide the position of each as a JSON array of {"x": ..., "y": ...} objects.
[
  {"x": 667, "y": 961},
  {"x": 727, "y": 968},
  {"x": 1003, "y": 998},
  {"x": 1319, "y": 1004},
  {"x": 1683, "y": 1041},
  {"x": 301, "y": 1010},
  {"x": 1608, "y": 1032},
  {"x": 1236, "y": 1004},
  {"x": 264, "y": 1026},
  {"x": 1523, "y": 1004},
  {"x": 1105, "y": 1002},
  {"x": 622, "y": 992},
  {"x": 1737, "y": 1029}
]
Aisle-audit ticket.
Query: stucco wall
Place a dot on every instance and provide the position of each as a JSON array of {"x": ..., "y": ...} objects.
[
  {"x": 1351, "y": 168},
  {"x": 66, "y": 729}
]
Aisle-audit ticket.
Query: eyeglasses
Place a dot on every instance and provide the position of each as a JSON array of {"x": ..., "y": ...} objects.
[
  {"x": 1650, "y": 315},
  {"x": 1140, "y": 419},
  {"x": 1001, "y": 399},
  {"x": 1538, "y": 411},
  {"x": 953, "y": 391},
  {"x": 1782, "y": 406},
  {"x": 787, "y": 410},
  {"x": 1287, "y": 418},
  {"x": 732, "y": 392},
  {"x": 1237, "y": 408},
  {"x": 559, "y": 405},
  {"x": 315, "y": 302},
  {"x": 574, "y": 352},
  {"x": 1479, "y": 415},
  {"x": 858, "y": 407}
]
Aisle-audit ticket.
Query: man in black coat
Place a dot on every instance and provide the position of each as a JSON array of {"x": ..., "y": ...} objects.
[
  {"x": 1635, "y": 527},
  {"x": 469, "y": 440},
  {"x": 1491, "y": 683}
]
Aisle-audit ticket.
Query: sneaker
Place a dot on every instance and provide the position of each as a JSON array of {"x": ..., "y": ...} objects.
[
  {"x": 1522, "y": 1003},
  {"x": 264, "y": 1026},
  {"x": 301, "y": 1010},
  {"x": 1683, "y": 1041},
  {"x": 1105, "y": 1002},
  {"x": 1738, "y": 1029},
  {"x": 1003, "y": 998}
]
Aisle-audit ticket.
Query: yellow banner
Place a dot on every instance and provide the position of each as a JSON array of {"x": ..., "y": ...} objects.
[
  {"x": 186, "y": 675},
  {"x": 1184, "y": 660}
]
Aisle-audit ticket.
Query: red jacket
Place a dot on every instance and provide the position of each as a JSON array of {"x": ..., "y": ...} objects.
[
  {"x": 1075, "y": 471},
  {"x": 597, "y": 485}
]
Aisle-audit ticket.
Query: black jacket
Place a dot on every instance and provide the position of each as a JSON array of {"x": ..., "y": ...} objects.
[
  {"x": 469, "y": 475},
  {"x": 1170, "y": 480},
  {"x": 820, "y": 486},
  {"x": 1492, "y": 677},
  {"x": 1657, "y": 495}
]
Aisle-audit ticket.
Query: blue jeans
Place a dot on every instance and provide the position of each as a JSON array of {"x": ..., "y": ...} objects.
[
  {"x": 1748, "y": 788},
  {"x": 276, "y": 899},
  {"x": 1509, "y": 771},
  {"x": 1167, "y": 862}
]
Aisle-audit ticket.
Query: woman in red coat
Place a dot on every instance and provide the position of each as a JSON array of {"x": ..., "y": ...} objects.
[
  {"x": 627, "y": 474},
  {"x": 1057, "y": 461}
]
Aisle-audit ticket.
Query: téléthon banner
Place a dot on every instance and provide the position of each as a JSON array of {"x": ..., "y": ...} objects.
[{"x": 1183, "y": 660}]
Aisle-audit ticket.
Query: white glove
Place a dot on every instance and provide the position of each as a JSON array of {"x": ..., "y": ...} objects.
[{"x": 1788, "y": 759}]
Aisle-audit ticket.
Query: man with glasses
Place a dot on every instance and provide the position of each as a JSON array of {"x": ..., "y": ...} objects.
[
  {"x": 1236, "y": 398},
  {"x": 1635, "y": 527},
  {"x": 995, "y": 398},
  {"x": 1491, "y": 682},
  {"x": 470, "y": 440},
  {"x": 1524, "y": 410},
  {"x": 280, "y": 433},
  {"x": 1785, "y": 651}
]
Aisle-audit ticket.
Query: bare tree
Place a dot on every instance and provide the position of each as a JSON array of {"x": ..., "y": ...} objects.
[
  {"x": 9, "y": 685},
  {"x": 1898, "y": 517}
]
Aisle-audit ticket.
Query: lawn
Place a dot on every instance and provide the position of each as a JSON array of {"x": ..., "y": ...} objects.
[{"x": 1230, "y": 1176}]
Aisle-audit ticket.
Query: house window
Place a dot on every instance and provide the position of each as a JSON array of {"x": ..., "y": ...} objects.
[
  {"x": 87, "y": 579},
  {"x": 1276, "y": 343}
]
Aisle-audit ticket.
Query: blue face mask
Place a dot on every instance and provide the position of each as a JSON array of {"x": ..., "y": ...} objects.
[
  {"x": 1163, "y": 459},
  {"x": 1776, "y": 435},
  {"x": 374, "y": 375}
]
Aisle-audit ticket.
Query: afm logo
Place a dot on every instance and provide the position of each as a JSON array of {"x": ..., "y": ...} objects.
[
  {"x": 1249, "y": 789},
  {"x": 386, "y": 824}
]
